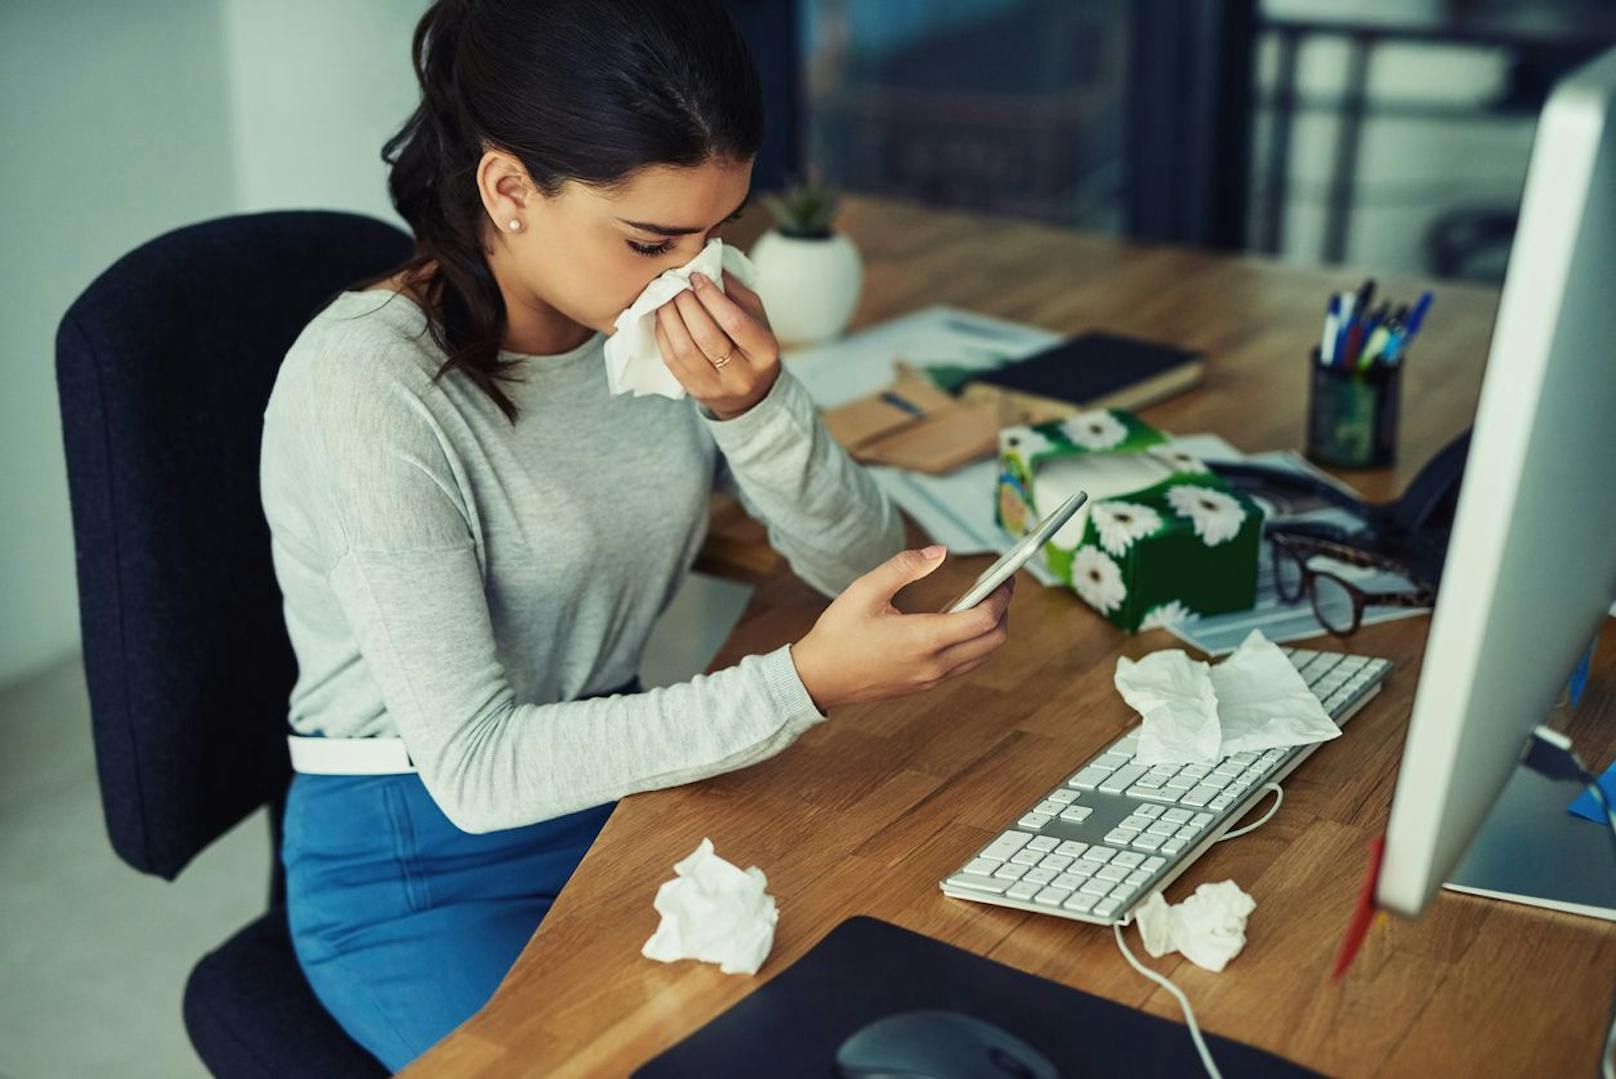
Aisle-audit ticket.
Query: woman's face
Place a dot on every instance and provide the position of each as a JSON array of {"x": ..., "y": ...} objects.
[{"x": 588, "y": 252}]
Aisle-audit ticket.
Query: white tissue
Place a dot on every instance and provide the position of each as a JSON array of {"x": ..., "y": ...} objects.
[
  {"x": 1174, "y": 695},
  {"x": 633, "y": 361},
  {"x": 714, "y": 912},
  {"x": 1192, "y": 714},
  {"x": 1208, "y": 928}
]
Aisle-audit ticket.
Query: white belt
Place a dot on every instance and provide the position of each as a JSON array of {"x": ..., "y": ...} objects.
[{"x": 349, "y": 756}]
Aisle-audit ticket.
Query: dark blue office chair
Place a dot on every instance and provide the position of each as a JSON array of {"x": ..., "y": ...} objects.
[{"x": 164, "y": 366}]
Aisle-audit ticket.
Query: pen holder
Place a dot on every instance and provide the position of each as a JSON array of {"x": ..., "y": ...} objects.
[{"x": 1352, "y": 414}]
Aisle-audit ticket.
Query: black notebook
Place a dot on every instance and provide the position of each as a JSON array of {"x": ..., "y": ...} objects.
[
  {"x": 1100, "y": 370},
  {"x": 866, "y": 969}
]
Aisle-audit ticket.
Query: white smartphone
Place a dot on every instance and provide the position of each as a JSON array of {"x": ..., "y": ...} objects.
[{"x": 1017, "y": 556}]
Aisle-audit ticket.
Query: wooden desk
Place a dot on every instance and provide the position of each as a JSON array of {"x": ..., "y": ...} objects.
[{"x": 867, "y": 811}]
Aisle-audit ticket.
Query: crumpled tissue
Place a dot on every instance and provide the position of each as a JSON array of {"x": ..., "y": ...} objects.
[
  {"x": 633, "y": 360},
  {"x": 1194, "y": 714},
  {"x": 1208, "y": 928},
  {"x": 714, "y": 912}
]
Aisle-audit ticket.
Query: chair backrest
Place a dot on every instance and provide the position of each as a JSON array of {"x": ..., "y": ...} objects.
[{"x": 164, "y": 365}]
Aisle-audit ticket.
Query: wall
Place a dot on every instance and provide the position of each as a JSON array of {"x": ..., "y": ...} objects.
[
  {"x": 122, "y": 121},
  {"x": 115, "y": 122}
]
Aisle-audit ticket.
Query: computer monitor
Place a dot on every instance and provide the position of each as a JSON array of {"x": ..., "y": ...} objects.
[{"x": 1531, "y": 565}]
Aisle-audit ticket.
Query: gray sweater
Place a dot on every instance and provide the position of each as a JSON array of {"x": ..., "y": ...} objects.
[{"x": 458, "y": 581}]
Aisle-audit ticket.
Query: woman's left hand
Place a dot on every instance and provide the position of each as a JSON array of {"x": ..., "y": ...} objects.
[{"x": 718, "y": 344}]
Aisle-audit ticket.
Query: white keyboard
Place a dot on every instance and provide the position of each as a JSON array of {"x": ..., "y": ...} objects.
[{"x": 1097, "y": 846}]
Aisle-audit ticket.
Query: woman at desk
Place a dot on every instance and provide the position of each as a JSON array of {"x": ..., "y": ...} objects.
[{"x": 474, "y": 537}]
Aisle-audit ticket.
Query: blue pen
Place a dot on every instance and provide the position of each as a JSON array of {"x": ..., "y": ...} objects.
[
  {"x": 901, "y": 402},
  {"x": 1417, "y": 316},
  {"x": 1412, "y": 325}
]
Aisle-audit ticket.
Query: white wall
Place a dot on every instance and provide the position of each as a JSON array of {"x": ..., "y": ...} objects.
[
  {"x": 121, "y": 121},
  {"x": 115, "y": 124},
  {"x": 316, "y": 88}
]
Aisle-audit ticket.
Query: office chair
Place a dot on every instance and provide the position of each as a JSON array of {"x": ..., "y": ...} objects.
[{"x": 164, "y": 365}]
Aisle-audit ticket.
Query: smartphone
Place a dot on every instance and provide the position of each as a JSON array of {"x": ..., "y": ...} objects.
[{"x": 1017, "y": 556}]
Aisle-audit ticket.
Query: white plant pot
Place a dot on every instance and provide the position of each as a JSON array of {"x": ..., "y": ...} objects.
[{"x": 809, "y": 288}]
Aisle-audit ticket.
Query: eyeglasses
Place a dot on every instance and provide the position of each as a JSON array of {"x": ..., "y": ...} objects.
[{"x": 1338, "y": 603}]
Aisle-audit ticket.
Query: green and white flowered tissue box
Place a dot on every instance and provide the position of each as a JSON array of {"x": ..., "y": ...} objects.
[{"x": 1162, "y": 538}]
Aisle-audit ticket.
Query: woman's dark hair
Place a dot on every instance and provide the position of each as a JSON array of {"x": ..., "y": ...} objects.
[{"x": 586, "y": 90}]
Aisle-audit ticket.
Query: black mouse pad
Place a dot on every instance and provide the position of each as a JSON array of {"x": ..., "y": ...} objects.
[{"x": 866, "y": 969}]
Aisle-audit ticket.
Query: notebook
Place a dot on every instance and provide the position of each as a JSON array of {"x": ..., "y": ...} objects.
[
  {"x": 866, "y": 969},
  {"x": 1094, "y": 370}
]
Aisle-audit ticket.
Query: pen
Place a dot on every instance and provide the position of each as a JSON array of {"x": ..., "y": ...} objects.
[
  {"x": 1332, "y": 326},
  {"x": 900, "y": 402}
]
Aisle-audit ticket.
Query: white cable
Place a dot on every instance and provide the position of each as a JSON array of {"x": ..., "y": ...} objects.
[
  {"x": 1279, "y": 796},
  {"x": 1178, "y": 994}
]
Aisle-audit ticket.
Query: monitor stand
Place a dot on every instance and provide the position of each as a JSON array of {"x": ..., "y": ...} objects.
[{"x": 1531, "y": 850}]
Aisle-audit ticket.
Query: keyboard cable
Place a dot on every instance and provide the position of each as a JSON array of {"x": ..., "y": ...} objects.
[{"x": 1165, "y": 982}]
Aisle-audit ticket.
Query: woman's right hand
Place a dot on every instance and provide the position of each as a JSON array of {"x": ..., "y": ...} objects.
[{"x": 865, "y": 649}]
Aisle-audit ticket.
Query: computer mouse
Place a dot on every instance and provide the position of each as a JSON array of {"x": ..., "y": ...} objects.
[{"x": 939, "y": 1045}]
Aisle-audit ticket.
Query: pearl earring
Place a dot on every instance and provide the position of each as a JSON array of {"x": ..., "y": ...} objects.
[{"x": 515, "y": 224}]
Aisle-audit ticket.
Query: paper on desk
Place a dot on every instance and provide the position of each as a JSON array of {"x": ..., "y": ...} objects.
[
  {"x": 1208, "y": 928},
  {"x": 714, "y": 912},
  {"x": 1254, "y": 700}
]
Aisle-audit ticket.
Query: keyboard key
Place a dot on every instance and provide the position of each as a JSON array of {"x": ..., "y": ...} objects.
[
  {"x": 1180, "y": 783},
  {"x": 1095, "y": 887},
  {"x": 1113, "y": 873},
  {"x": 1149, "y": 812},
  {"x": 1165, "y": 795},
  {"x": 1044, "y": 843},
  {"x": 1111, "y": 760},
  {"x": 1188, "y": 831},
  {"x": 1088, "y": 779},
  {"x": 1195, "y": 771},
  {"x": 1036, "y": 821},
  {"x": 1076, "y": 814},
  {"x": 1072, "y": 847},
  {"x": 1006, "y": 845},
  {"x": 982, "y": 866},
  {"x": 1120, "y": 836},
  {"x": 1220, "y": 803},
  {"x": 1068, "y": 881},
  {"x": 1098, "y": 853},
  {"x": 1138, "y": 877},
  {"x": 1162, "y": 828},
  {"x": 1128, "y": 859},
  {"x": 1083, "y": 869},
  {"x": 1026, "y": 856},
  {"x": 1105, "y": 908},
  {"x": 1201, "y": 820},
  {"x": 976, "y": 883},
  {"x": 1079, "y": 903},
  {"x": 1049, "y": 809},
  {"x": 1197, "y": 797},
  {"x": 1010, "y": 871},
  {"x": 1148, "y": 842},
  {"x": 1040, "y": 876},
  {"x": 1173, "y": 846},
  {"x": 1065, "y": 796},
  {"x": 1121, "y": 779},
  {"x": 1153, "y": 864},
  {"x": 1057, "y": 862},
  {"x": 1215, "y": 782},
  {"x": 1052, "y": 897},
  {"x": 1177, "y": 816},
  {"x": 1023, "y": 890},
  {"x": 1123, "y": 892}
]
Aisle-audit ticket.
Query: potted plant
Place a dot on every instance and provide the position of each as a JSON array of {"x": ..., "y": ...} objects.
[{"x": 808, "y": 274}]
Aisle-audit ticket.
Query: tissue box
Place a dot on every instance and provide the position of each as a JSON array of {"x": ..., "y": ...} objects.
[{"x": 1162, "y": 538}]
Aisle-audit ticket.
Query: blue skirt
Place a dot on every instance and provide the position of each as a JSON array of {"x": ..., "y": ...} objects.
[{"x": 404, "y": 924}]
